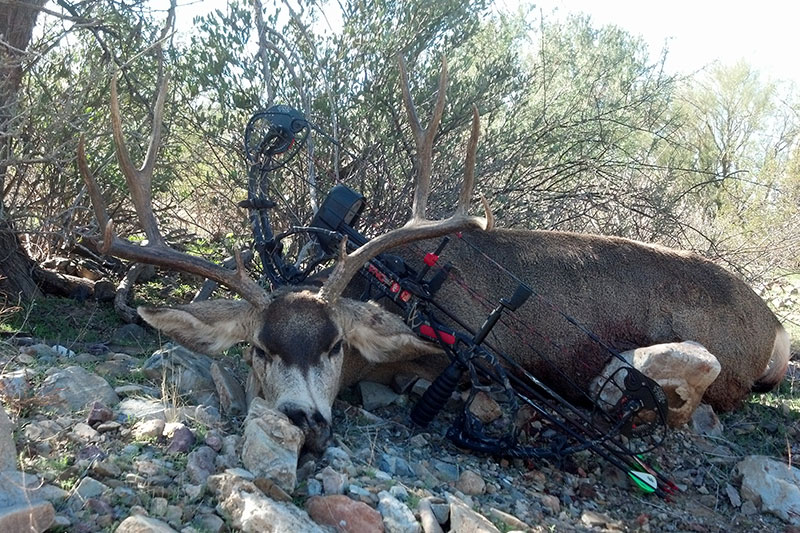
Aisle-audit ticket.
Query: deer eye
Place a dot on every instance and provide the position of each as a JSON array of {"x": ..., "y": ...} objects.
[
  {"x": 261, "y": 354},
  {"x": 336, "y": 349}
]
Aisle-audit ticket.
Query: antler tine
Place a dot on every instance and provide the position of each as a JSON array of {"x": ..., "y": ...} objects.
[
  {"x": 140, "y": 180},
  {"x": 423, "y": 138},
  {"x": 156, "y": 252},
  {"x": 418, "y": 228}
]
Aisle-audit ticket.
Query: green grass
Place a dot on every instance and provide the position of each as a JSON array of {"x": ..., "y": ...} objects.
[{"x": 63, "y": 320}]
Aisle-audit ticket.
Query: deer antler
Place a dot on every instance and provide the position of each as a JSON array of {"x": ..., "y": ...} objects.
[
  {"x": 156, "y": 251},
  {"x": 418, "y": 228}
]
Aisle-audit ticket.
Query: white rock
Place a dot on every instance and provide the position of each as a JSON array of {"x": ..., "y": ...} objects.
[
  {"x": 683, "y": 369},
  {"x": 8, "y": 450},
  {"x": 397, "y": 517},
  {"x": 271, "y": 444},
  {"x": 465, "y": 520},
  {"x": 251, "y": 511},
  {"x": 143, "y": 524},
  {"x": 772, "y": 484},
  {"x": 76, "y": 388}
]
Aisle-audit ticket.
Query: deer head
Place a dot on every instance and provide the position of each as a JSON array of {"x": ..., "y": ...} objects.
[{"x": 299, "y": 337}]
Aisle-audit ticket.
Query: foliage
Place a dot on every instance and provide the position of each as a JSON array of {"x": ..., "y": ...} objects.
[{"x": 582, "y": 128}]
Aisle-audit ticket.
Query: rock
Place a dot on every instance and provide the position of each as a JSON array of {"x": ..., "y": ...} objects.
[
  {"x": 250, "y": 511},
  {"x": 16, "y": 384},
  {"x": 142, "y": 409},
  {"x": 509, "y": 520},
  {"x": 399, "y": 492},
  {"x": 89, "y": 488},
  {"x": 158, "y": 506},
  {"x": 34, "y": 517},
  {"x": 211, "y": 523},
  {"x": 484, "y": 407},
  {"x": 74, "y": 387},
  {"x": 106, "y": 469},
  {"x": 550, "y": 502},
  {"x": 374, "y": 395},
  {"x": 471, "y": 483},
  {"x": 772, "y": 484},
  {"x": 733, "y": 495},
  {"x": 39, "y": 351},
  {"x": 337, "y": 458},
  {"x": 465, "y": 520},
  {"x": 84, "y": 433},
  {"x": 427, "y": 517},
  {"x": 182, "y": 440},
  {"x": 186, "y": 372},
  {"x": 130, "y": 335},
  {"x": 445, "y": 471},
  {"x": 269, "y": 488},
  {"x": 395, "y": 465},
  {"x": 706, "y": 422},
  {"x": 143, "y": 524},
  {"x": 683, "y": 369},
  {"x": 402, "y": 383},
  {"x": 200, "y": 464},
  {"x": 99, "y": 414},
  {"x": 332, "y": 481},
  {"x": 344, "y": 514},
  {"x": 313, "y": 487},
  {"x": 8, "y": 450},
  {"x": 397, "y": 517},
  {"x": 599, "y": 520},
  {"x": 230, "y": 391},
  {"x": 149, "y": 429},
  {"x": 420, "y": 386},
  {"x": 271, "y": 444}
]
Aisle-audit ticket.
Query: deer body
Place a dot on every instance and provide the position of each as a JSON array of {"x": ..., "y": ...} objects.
[{"x": 629, "y": 293}]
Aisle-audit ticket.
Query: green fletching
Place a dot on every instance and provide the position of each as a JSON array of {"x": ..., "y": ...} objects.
[{"x": 644, "y": 481}]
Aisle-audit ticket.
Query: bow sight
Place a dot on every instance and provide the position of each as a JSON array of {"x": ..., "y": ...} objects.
[{"x": 623, "y": 419}]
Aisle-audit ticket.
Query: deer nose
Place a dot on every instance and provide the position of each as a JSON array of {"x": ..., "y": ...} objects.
[{"x": 314, "y": 426}]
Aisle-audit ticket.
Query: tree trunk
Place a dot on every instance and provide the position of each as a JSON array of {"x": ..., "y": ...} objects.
[{"x": 17, "y": 20}]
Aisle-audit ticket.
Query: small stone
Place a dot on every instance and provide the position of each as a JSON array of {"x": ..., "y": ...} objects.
[
  {"x": 360, "y": 493},
  {"x": 214, "y": 442},
  {"x": 98, "y": 414},
  {"x": 551, "y": 503},
  {"x": 397, "y": 517},
  {"x": 211, "y": 523},
  {"x": 706, "y": 422},
  {"x": 375, "y": 395},
  {"x": 75, "y": 387},
  {"x": 200, "y": 464},
  {"x": 34, "y": 517},
  {"x": 463, "y": 518},
  {"x": 418, "y": 441},
  {"x": 509, "y": 520},
  {"x": 344, "y": 514},
  {"x": 402, "y": 383},
  {"x": 230, "y": 391},
  {"x": 333, "y": 482},
  {"x": 271, "y": 489},
  {"x": 395, "y": 465},
  {"x": 107, "y": 427},
  {"x": 445, "y": 471},
  {"x": 399, "y": 492},
  {"x": 158, "y": 507},
  {"x": 193, "y": 492},
  {"x": 143, "y": 524},
  {"x": 84, "y": 433},
  {"x": 149, "y": 429},
  {"x": 420, "y": 386},
  {"x": 485, "y": 408},
  {"x": 441, "y": 511},
  {"x": 8, "y": 450},
  {"x": 106, "y": 469},
  {"x": 749, "y": 508},
  {"x": 182, "y": 440},
  {"x": 337, "y": 458},
  {"x": 16, "y": 384},
  {"x": 98, "y": 506},
  {"x": 271, "y": 445},
  {"x": 313, "y": 487},
  {"x": 471, "y": 483},
  {"x": 733, "y": 495}
]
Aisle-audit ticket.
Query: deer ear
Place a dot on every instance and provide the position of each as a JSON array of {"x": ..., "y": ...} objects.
[
  {"x": 379, "y": 335},
  {"x": 208, "y": 326}
]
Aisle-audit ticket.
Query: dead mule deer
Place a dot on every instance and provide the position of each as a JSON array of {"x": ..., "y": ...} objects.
[{"x": 308, "y": 343}]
